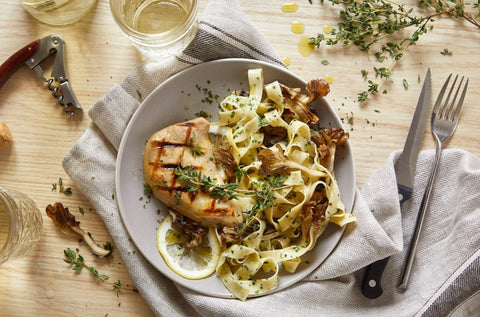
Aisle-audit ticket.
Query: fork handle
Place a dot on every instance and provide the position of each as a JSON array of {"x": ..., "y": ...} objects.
[{"x": 420, "y": 218}]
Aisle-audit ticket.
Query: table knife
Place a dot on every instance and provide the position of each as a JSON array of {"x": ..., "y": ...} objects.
[{"x": 404, "y": 171}]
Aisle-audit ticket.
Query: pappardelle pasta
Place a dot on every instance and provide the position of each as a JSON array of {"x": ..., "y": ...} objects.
[{"x": 280, "y": 235}]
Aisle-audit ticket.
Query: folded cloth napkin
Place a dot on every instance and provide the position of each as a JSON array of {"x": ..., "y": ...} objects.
[{"x": 446, "y": 269}]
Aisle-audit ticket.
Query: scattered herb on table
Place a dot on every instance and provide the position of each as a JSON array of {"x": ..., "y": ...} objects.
[
  {"x": 446, "y": 51},
  {"x": 377, "y": 27},
  {"x": 78, "y": 263},
  {"x": 61, "y": 188}
]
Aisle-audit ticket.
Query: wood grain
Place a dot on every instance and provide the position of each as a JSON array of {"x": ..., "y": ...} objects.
[{"x": 98, "y": 56}]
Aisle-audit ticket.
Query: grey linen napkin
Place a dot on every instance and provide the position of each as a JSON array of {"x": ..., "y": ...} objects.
[{"x": 446, "y": 270}]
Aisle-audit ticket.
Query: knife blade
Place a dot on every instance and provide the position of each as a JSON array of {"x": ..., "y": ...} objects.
[{"x": 404, "y": 171}]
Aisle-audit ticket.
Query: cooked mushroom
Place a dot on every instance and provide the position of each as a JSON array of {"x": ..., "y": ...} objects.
[
  {"x": 279, "y": 164},
  {"x": 273, "y": 135},
  {"x": 67, "y": 224},
  {"x": 296, "y": 103},
  {"x": 193, "y": 231},
  {"x": 317, "y": 88},
  {"x": 327, "y": 141}
]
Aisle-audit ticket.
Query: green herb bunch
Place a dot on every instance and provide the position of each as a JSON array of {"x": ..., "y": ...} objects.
[
  {"x": 194, "y": 180},
  {"x": 265, "y": 198},
  {"x": 263, "y": 191},
  {"x": 379, "y": 27}
]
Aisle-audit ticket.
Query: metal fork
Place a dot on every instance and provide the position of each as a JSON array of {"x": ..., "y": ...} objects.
[{"x": 444, "y": 122}]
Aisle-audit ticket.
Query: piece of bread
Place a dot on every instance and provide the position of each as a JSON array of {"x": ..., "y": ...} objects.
[{"x": 5, "y": 135}]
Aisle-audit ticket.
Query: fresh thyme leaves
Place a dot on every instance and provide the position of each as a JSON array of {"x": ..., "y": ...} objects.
[
  {"x": 67, "y": 191},
  {"x": 446, "y": 51},
  {"x": 194, "y": 180},
  {"x": 264, "y": 190},
  {"x": 265, "y": 194},
  {"x": 196, "y": 148},
  {"x": 203, "y": 114},
  {"x": 108, "y": 246},
  {"x": 377, "y": 27},
  {"x": 61, "y": 188},
  {"x": 239, "y": 173},
  {"x": 78, "y": 263}
]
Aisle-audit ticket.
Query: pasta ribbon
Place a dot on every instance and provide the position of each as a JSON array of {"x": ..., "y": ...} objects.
[{"x": 286, "y": 226}]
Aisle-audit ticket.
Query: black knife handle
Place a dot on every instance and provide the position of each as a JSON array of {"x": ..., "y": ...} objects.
[
  {"x": 372, "y": 280},
  {"x": 371, "y": 284},
  {"x": 404, "y": 193}
]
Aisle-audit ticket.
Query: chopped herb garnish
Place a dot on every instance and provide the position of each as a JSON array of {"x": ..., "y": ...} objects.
[{"x": 78, "y": 263}]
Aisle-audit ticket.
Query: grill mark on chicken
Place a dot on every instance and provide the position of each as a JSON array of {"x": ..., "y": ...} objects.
[
  {"x": 163, "y": 146},
  {"x": 172, "y": 148}
]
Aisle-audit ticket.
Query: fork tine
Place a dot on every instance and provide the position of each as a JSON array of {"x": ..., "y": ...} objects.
[
  {"x": 460, "y": 102},
  {"x": 450, "y": 113},
  {"x": 445, "y": 112},
  {"x": 440, "y": 96}
]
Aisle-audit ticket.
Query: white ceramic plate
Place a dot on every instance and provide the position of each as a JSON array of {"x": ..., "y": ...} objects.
[{"x": 177, "y": 100}]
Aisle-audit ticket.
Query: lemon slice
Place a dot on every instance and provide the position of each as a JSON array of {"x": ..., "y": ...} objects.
[
  {"x": 192, "y": 263},
  {"x": 221, "y": 137}
]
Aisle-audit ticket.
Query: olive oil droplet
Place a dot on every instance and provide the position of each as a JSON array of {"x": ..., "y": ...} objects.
[
  {"x": 304, "y": 46},
  {"x": 329, "y": 79},
  {"x": 327, "y": 29},
  {"x": 286, "y": 61},
  {"x": 290, "y": 7},
  {"x": 297, "y": 27}
]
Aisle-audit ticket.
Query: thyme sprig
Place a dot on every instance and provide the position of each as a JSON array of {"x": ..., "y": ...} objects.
[
  {"x": 194, "y": 180},
  {"x": 378, "y": 27},
  {"x": 78, "y": 263},
  {"x": 265, "y": 198},
  {"x": 263, "y": 191}
]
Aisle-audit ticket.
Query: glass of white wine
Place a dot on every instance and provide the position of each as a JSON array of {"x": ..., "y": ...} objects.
[
  {"x": 58, "y": 12},
  {"x": 157, "y": 28},
  {"x": 21, "y": 224}
]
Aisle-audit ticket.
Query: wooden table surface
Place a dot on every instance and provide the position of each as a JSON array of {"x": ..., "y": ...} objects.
[{"x": 98, "y": 56}]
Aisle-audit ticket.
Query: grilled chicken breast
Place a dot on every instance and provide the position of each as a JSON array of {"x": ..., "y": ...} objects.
[{"x": 187, "y": 145}]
